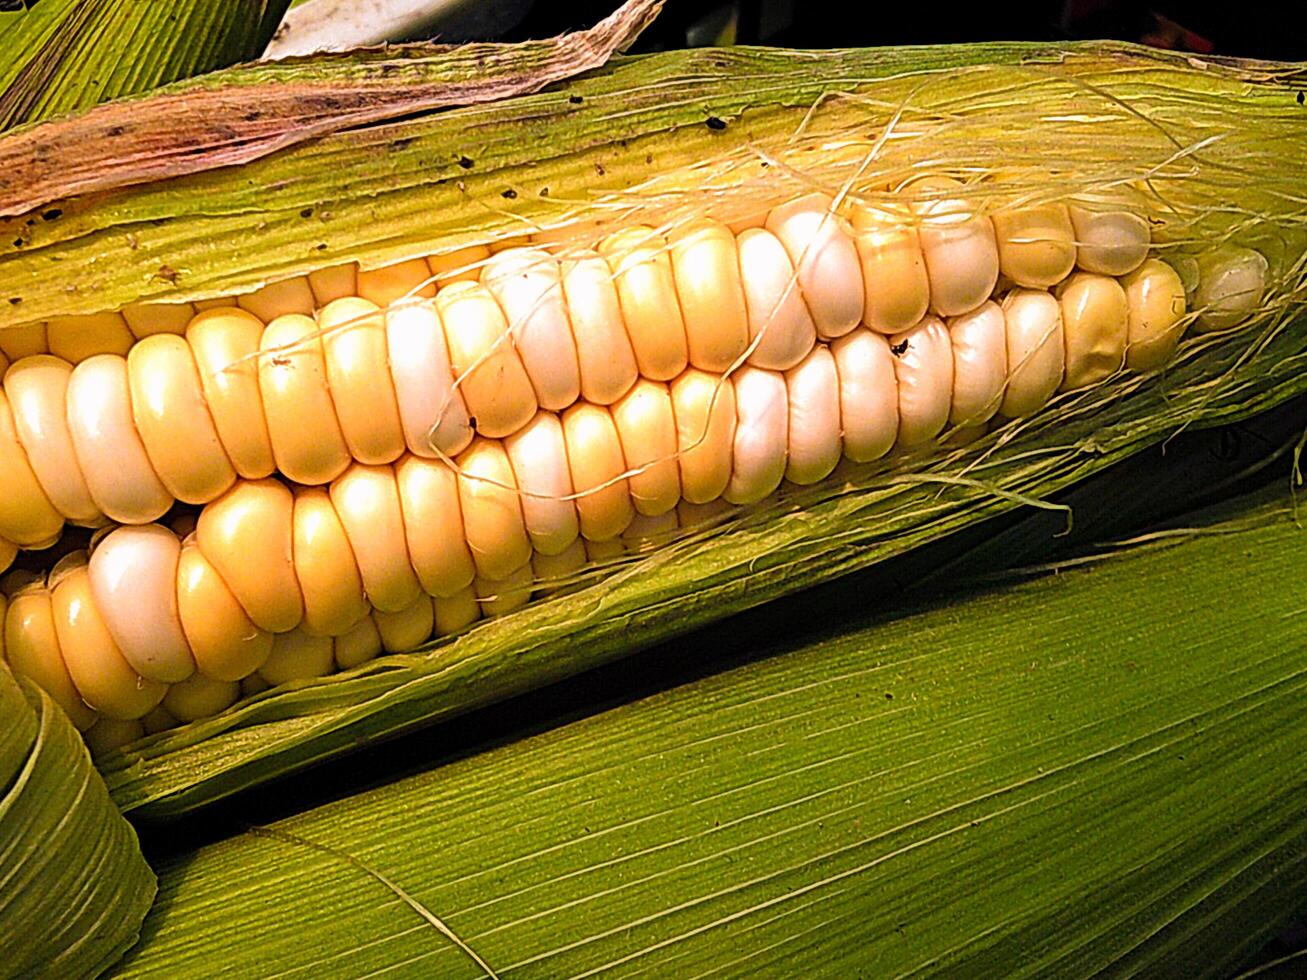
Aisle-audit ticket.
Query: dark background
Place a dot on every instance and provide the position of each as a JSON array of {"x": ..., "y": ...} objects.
[{"x": 1251, "y": 29}]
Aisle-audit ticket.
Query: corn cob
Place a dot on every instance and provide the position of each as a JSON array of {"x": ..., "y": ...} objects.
[
  {"x": 371, "y": 445},
  {"x": 235, "y": 397}
]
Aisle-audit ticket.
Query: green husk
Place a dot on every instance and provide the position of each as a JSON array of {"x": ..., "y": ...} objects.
[
  {"x": 477, "y": 172},
  {"x": 1213, "y": 135},
  {"x": 61, "y": 55},
  {"x": 74, "y": 887},
  {"x": 1093, "y": 772}
]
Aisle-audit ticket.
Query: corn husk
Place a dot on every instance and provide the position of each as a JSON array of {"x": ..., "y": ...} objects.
[
  {"x": 61, "y": 55},
  {"x": 74, "y": 887},
  {"x": 632, "y": 142},
  {"x": 1095, "y": 771},
  {"x": 636, "y": 145},
  {"x": 250, "y": 111}
]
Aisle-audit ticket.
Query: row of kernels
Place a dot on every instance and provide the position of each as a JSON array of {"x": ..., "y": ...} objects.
[
  {"x": 643, "y": 417},
  {"x": 205, "y": 414}
]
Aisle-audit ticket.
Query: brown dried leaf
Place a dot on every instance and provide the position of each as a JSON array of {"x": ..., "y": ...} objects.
[{"x": 248, "y": 112}]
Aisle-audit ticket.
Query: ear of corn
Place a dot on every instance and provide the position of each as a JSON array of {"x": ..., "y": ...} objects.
[
  {"x": 917, "y": 173},
  {"x": 1066, "y": 776},
  {"x": 294, "y": 572},
  {"x": 75, "y": 884}
]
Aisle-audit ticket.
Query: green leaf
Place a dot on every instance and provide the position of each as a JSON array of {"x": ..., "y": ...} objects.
[
  {"x": 74, "y": 887},
  {"x": 61, "y": 55},
  {"x": 1097, "y": 770}
]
